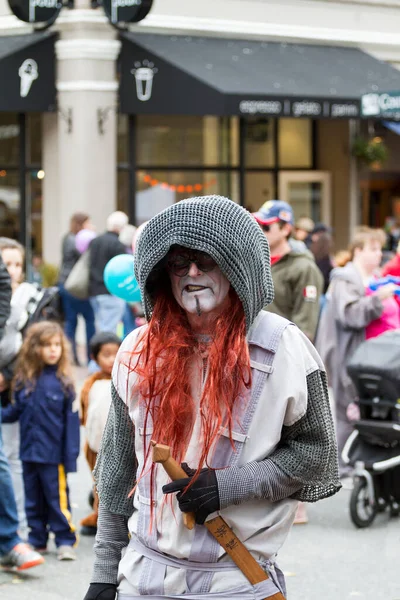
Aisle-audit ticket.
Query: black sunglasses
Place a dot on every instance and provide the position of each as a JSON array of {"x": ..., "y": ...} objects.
[
  {"x": 179, "y": 264},
  {"x": 265, "y": 228}
]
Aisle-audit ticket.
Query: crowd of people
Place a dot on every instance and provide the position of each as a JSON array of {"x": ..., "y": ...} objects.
[{"x": 206, "y": 273}]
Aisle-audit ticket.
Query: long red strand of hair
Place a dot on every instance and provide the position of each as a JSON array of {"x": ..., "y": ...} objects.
[{"x": 163, "y": 365}]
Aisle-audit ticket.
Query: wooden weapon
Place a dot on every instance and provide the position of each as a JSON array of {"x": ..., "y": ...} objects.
[{"x": 217, "y": 526}]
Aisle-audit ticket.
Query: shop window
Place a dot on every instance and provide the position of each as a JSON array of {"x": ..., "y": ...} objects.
[
  {"x": 259, "y": 188},
  {"x": 306, "y": 199},
  {"x": 295, "y": 143},
  {"x": 9, "y": 139},
  {"x": 18, "y": 220},
  {"x": 158, "y": 189},
  {"x": 186, "y": 141},
  {"x": 260, "y": 142},
  {"x": 177, "y": 157}
]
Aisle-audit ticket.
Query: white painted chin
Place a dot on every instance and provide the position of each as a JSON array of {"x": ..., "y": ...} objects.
[{"x": 206, "y": 300}]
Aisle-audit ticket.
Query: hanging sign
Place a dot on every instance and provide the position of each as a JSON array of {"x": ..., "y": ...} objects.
[
  {"x": 36, "y": 11},
  {"x": 126, "y": 11},
  {"x": 386, "y": 105}
]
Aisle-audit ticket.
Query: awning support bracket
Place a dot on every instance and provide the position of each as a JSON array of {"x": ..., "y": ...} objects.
[
  {"x": 102, "y": 117},
  {"x": 66, "y": 116}
]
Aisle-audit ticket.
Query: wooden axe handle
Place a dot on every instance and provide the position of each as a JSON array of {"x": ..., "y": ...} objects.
[
  {"x": 224, "y": 535},
  {"x": 175, "y": 471}
]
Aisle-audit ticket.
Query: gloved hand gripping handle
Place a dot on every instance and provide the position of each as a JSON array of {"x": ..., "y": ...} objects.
[{"x": 217, "y": 526}]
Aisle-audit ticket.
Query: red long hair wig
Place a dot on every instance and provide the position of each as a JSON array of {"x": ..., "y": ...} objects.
[{"x": 164, "y": 364}]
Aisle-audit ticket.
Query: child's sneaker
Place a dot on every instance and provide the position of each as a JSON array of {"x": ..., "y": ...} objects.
[
  {"x": 21, "y": 557},
  {"x": 66, "y": 553}
]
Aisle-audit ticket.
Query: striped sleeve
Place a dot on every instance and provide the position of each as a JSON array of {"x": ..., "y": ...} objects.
[{"x": 111, "y": 539}]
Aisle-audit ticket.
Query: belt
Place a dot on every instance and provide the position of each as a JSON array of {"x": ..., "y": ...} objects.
[{"x": 244, "y": 592}]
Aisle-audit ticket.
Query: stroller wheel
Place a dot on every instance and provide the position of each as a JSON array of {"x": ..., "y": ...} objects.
[{"x": 361, "y": 512}]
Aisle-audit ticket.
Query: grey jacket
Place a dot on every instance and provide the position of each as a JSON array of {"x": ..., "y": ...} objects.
[{"x": 342, "y": 327}]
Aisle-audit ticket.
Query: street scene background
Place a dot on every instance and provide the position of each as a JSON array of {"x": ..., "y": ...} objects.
[{"x": 289, "y": 108}]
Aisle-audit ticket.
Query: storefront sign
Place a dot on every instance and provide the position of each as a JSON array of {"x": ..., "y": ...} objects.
[
  {"x": 150, "y": 85},
  {"x": 306, "y": 109},
  {"x": 35, "y": 11},
  {"x": 127, "y": 11},
  {"x": 30, "y": 76},
  {"x": 381, "y": 105},
  {"x": 144, "y": 75},
  {"x": 260, "y": 107},
  {"x": 312, "y": 109},
  {"x": 28, "y": 73},
  {"x": 344, "y": 110}
]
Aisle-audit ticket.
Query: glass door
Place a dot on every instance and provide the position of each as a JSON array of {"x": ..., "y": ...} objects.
[{"x": 308, "y": 192}]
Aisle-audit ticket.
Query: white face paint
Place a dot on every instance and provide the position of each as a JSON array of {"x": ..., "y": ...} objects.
[{"x": 200, "y": 293}]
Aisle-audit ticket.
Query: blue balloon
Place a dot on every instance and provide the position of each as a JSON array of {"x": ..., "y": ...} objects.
[{"x": 119, "y": 278}]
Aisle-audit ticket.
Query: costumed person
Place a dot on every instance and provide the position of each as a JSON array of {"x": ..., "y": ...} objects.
[
  {"x": 208, "y": 376},
  {"x": 95, "y": 404},
  {"x": 49, "y": 427}
]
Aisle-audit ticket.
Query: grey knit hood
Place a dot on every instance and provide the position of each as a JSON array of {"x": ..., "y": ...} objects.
[{"x": 224, "y": 230}]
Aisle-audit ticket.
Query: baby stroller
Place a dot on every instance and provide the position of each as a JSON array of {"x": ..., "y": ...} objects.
[{"x": 373, "y": 449}]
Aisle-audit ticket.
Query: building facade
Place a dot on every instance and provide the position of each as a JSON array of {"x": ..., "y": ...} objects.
[{"x": 139, "y": 119}]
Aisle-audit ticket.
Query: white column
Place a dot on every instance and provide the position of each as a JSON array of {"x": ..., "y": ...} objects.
[{"x": 87, "y": 103}]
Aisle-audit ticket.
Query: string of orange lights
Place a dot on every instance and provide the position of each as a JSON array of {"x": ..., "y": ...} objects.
[{"x": 181, "y": 188}]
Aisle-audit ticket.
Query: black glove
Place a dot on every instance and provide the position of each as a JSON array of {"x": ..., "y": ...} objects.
[
  {"x": 101, "y": 591},
  {"x": 202, "y": 497}
]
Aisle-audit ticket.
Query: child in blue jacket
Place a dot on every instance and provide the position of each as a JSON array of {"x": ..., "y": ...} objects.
[{"x": 49, "y": 428}]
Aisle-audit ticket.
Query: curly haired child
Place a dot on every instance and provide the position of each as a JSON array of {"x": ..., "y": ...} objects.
[{"x": 43, "y": 404}]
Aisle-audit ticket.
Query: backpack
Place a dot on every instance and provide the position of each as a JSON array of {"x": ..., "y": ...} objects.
[{"x": 44, "y": 305}]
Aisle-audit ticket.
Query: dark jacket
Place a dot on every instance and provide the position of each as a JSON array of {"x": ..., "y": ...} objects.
[
  {"x": 5, "y": 296},
  {"x": 70, "y": 256},
  {"x": 49, "y": 427},
  {"x": 102, "y": 249}
]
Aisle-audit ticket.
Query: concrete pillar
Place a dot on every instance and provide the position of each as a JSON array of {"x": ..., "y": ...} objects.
[{"x": 87, "y": 100}]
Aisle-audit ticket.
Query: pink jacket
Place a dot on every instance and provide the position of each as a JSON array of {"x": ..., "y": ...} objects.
[{"x": 389, "y": 319}]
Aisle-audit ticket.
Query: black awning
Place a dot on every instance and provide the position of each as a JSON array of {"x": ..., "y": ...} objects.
[
  {"x": 197, "y": 75},
  {"x": 27, "y": 72}
]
